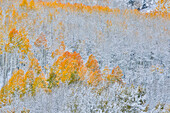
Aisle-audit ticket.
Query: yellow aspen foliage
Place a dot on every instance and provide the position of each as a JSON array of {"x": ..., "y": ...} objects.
[
  {"x": 8, "y": 48},
  {"x": 3, "y": 95},
  {"x": 23, "y": 42},
  {"x": 24, "y": 3},
  {"x": 14, "y": 14},
  {"x": 22, "y": 84},
  {"x": 39, "y": 82},
  {"x": 157, "y": 68},
  {"x": 22, "y": 111},
  {"x": 30, "y": 55},
  {"x": 23, "y": 16},
  {"x": 109, "y": 23},
  {"x": 16, "y": 83},
  {"x": 12, "y": 34},
  {"x": 88, "y": 9},
  {"x": 161, "y": 9},
  {"x": 106, "y": 73},
  {"x": 1, "y": 51},
  {"x": 0, "y": 11},
  {"x": 50, "y": 17},
  {"x": 32, "y": 4},
  {"x": 29, "y": 77},
  {"x": 1, "y": 44},
  {"x": 114, "y": 76},
  {"x": 17, "y": 40}
]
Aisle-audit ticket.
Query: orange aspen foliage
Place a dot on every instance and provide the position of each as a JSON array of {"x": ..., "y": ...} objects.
[
  {"x": 92, "y": 63},
  {"x": 116, "y": 75},
  {"x": 95, "y": 75},
  {"x": 34, "y": 65},
  {"x": 106, "y": 71},
  {"x": 82, "y": 73},
  {"x": 67, "y": 67},
  {"x": 78, "y": 7},
  {"x": 59, "y": 51},
  {"x": 41, "y": 41},
  {"x": 12, "y": 34}
]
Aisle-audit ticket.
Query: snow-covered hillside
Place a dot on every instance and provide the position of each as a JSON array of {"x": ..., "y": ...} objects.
[{"x": 55, "y": 53}]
